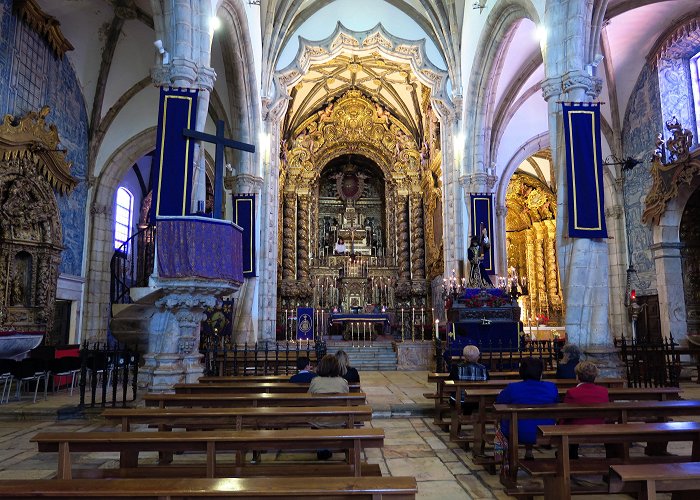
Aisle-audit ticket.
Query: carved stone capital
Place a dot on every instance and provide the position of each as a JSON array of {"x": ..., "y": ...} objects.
[
  {"x": 578, "y": 79},
  {"x": 477, "y": 182},
  {"x": 206, "y": 78},
  {"x": 248, "y": 183},
  {"x": 98, "y": 209},
  {"x": 551, "y": 88}
]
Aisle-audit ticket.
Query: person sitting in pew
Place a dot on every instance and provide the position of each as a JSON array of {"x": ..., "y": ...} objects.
[
  {"x": 531, "y": 391},
  {"x": 328, "y": 380},
  {"x": 585, "y": 392},
  {"x": 468, "y": 369},
  {"x": 348, "y": 372},
  {"x": 304, "y": 373},
  {"x": 567, "y": 366}
]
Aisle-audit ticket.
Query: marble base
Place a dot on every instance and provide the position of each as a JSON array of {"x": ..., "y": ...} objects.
[
  {"x": 415, "y": 355},
  {"x": 607, "y": 360}
]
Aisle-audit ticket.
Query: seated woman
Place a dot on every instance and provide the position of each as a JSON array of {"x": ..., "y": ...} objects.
[
  {"x": 340, "y": 247},
  {"x": 571, "y": 355},
  {"x": 346, "y": 371},
  {"x": 531, "y": 391},
  {"x": 328, "y": 379}
]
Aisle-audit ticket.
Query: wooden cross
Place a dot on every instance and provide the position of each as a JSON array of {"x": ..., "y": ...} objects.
[{"x": 221, "y": 142}]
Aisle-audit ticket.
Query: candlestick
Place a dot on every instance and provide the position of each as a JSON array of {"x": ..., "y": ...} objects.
[
  {"x": 437, "y": 333},
  {"x": 402, "y": 328}
]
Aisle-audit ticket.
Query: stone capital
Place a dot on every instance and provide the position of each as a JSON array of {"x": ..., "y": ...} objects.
[
  {"x": 551, "y": 88},
  {"x": 574, "y": 80},
  {"x": 206, "y": 78},
  {"x": 477, "y": 182},
  {"x": 666, "y": 250},
  {"x": 247, "y": 183}
]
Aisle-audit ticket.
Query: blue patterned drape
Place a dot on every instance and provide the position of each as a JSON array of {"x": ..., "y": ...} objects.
[
  {"x": 196, "y": 247},
  {"x": 584, "y": 170}
]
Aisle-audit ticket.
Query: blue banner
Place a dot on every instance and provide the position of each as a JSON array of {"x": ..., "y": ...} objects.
[
  {"x": 244, "y": 216},
  {"x": 305, "y": 323},
  {"x": 171, "y": 173},
  {"x": 584, "y": 170},
  {"x": 482, "y": 218}
]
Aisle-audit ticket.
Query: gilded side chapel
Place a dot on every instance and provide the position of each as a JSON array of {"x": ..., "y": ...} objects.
[{"x": 389, "y": 156}]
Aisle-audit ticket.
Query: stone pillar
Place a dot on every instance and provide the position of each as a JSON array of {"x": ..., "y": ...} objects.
[
  {"x": 617, "y": 251},
  {"x": 669, "y": 272},
  {"x": 288, "y": 237},
  {"x": 244, "y": 329}
]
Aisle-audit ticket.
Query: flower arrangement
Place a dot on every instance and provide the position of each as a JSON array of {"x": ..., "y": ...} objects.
[{"x": 481, "y": 298}]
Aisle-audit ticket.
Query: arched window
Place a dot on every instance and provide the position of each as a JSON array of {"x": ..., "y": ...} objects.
[
  {"x": 122, "y": 217},
  {"x": 695, "y": 82}
]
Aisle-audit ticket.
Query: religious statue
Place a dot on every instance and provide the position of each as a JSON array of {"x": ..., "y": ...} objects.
[{"x": 475, "y": 253}]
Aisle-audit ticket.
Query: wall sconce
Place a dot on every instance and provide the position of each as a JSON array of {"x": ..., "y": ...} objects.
[{"x": 161, "y": 50}]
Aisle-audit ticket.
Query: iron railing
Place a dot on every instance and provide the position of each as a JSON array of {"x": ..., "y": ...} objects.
[
  {"x": 111, "y": 370},
  {"x": 505, "y": 356},
  {"x": 223, "y": 357},
  {"x": 650, "y": 363},
  {"x": 128, "y": 271}
]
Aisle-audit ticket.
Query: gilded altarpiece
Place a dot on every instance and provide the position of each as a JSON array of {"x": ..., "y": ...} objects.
[
  {"x": 353, "y": 171},
  {"x": 32, "y": 167},
  {"x": 531, "y": 247}
]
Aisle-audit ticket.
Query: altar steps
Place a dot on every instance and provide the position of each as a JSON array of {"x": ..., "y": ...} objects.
[{"x": 379, "y": 356}]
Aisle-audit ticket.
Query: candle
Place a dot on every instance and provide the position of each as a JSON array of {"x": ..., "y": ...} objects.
[
  {"x": 422, "y": 322},
  {"x": 437, "y": 334},
  {"x": 413, "y": 316}
]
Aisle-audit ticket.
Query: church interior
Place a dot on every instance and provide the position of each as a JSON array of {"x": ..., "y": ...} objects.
[{"x": 356, "y": 149}]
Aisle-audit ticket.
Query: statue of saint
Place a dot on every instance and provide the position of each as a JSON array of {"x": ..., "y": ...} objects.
[{"x": 477, "y": 274}]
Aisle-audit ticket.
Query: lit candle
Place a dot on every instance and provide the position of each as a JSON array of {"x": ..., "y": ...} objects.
[
  {"x": 413, "y": 316},
  {"x": 422, "y": 322},
  {"x": 437, "y": 334}
]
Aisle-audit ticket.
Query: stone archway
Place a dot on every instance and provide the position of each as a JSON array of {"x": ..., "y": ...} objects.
[{"x": 689, "y": 235}]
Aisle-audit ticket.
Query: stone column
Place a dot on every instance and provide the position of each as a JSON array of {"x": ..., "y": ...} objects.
[
  {"x": 404, "y": 243},
  {"x": 244, "y": 327},
  {"x": 617, "y": 251},
  {"x": 669, "y": 272}
]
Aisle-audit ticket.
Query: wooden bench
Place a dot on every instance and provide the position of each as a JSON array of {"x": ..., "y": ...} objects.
[
  {"x": 485, "y": 398},
  {"x": 261, "y": 362},
  {"x": 210, "y": 443},
  {"x": 356, "y": 488},
  {"x": 243, "y": 378},
  {"x": 253, "y": 400},
  {"x": 648, "y": 479},
  {"x": 615, "y": 411},
  {"x": 248, "y": 388},
  {"x": 557, "y": 472},
  {"x": 237, "y": 418}
]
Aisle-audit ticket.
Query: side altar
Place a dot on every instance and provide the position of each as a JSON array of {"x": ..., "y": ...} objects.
[{"x": 488, "y": 318}]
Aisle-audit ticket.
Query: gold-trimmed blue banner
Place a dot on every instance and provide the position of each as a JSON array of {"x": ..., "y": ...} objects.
[
  {"x": 584, "y": 170},
  {"x": 244, "y": 216},
  {"x": 482, "y": 218},
  {"x": 171, "y": 173}
]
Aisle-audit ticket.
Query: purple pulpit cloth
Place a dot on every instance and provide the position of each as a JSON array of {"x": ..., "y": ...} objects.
[{"x": 197, "y": 247}]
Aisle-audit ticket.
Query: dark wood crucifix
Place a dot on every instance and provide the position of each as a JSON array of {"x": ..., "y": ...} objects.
[{"x": 221, "y": 142}]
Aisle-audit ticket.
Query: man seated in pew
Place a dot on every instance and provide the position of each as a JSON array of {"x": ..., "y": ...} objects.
[
  {"x": 586, "y": 392},
  {"x": 468, "y": 369},
  {"x": 531, "y": 391},
  {"x": 571, "y": 357},
  {"x": 304, "y": 373}
]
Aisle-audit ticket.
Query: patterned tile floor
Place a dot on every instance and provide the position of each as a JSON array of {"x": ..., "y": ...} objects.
[{"x": 413, "y": 445}]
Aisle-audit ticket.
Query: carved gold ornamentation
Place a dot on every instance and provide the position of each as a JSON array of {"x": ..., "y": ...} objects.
[
  {"x": 31, "y": 138},
  {"x": 668, "y": 177},
  {"x": 44, "y": 24},
  {"x": 353, "y": 125}
]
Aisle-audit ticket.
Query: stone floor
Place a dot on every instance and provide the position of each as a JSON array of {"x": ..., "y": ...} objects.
[{"x": 413, "y": 445}]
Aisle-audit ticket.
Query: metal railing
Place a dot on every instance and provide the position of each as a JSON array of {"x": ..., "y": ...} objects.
[
  {"x": 650, "y": 363},
  {"x": 127, "y": 271},
  {"x": 222, "y": 357},
  {"x": 109, "y": 370}
]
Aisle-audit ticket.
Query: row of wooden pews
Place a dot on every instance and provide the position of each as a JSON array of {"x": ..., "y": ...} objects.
[
  {"x": 634, "y": 415},
  {"x": 199, "y": 444}
]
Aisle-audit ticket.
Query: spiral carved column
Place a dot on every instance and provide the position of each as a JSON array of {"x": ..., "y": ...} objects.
[
  {"x": 288, "y": 253},
  {"x": 540, "y": 269},
  {"x": 552, "y": 268},
  {"x": 418, "y": 240},
  {"x": 303, "y": 237},
  {"x": 531, "y": 273},
  {"x": 404, "y": 240}
]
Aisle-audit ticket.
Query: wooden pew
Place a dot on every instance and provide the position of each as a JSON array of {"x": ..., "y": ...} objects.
[
  {"x": 649, "y": 479},
  {"x": 356, "y": 488},
  {"x": 247, "y": 388},
  {"x": 485, "y": 398},
  {"x": 236, "y": 418},
  {"x": 243, "y": 378},
  {"x": 615, "y": 411},
  {"x": 557, "y": 472},
  {"x": 210, "y": 443},
  {"x": 253, "y": 400}
]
